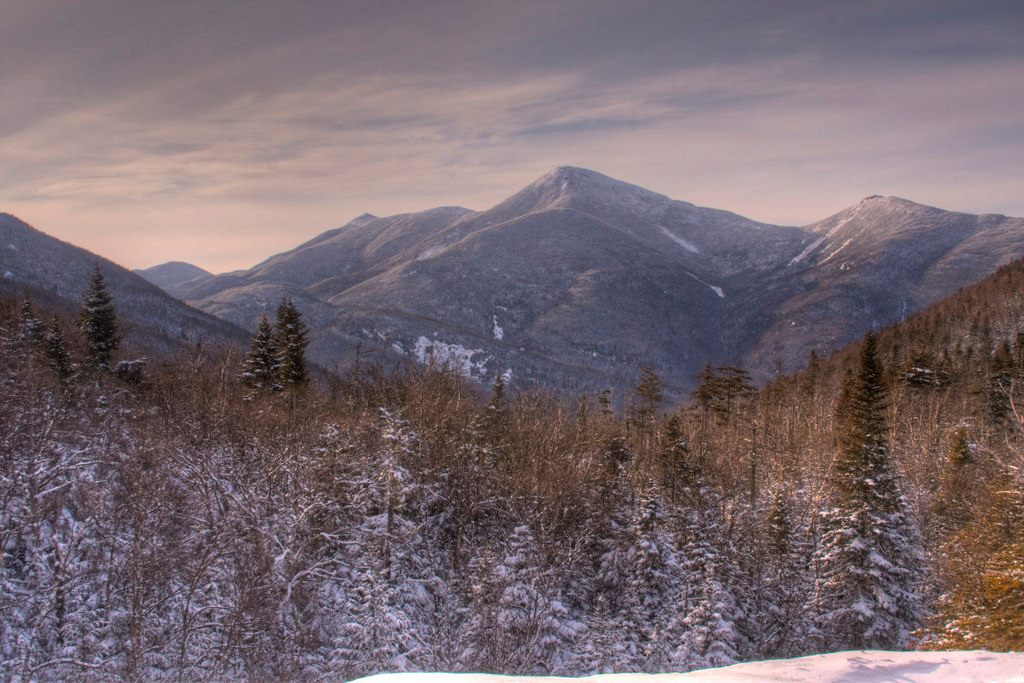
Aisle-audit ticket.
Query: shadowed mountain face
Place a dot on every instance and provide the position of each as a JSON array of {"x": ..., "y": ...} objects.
[
  {"x": 35, "y": 265},
  {"x": 577, "y": 279}
]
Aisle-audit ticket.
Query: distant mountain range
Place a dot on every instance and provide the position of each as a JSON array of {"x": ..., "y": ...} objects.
[
  {"x": 55, "y": 273},
  {"x": 578, "y": 279}
]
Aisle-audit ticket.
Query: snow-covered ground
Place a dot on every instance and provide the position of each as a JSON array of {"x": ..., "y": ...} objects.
[{"x": 869, "y": 666}]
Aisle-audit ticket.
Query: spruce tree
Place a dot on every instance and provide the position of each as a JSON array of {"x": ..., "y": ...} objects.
[
  {"x": 650, "y": 393},
  {"x": 55, "y": 352},
  {"x": 868, "y": 558},
  {"x": 260, "y": 368},
  {"x": 98, "y": 321},
  {"x": 30, "y": 328},
  {"x": 292, "y": 338}
]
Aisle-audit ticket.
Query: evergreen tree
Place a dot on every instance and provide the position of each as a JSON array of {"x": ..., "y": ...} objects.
[
  {"x": 98, "y": 321},
  {"x": 55, "y": 352},
  {"x": 260, "y": 368},
  {"x": 604, "y": 401},
  {"x": 30, "y": 328},
  {"x": 651, "y": 582},
  {"x": 709, "y": 635},
  {"x": 780, "y": 623},
  {"x": 650, "y": 393},
  {"x": 868, "y": 558},
  {"x": 999, "y": 382},
  {"x": 292, "y": 338},
  {"x": 515, "y": 625},
  {"x": 675, "y": 457}
]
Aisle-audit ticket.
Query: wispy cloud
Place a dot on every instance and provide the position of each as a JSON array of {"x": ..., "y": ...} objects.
[{"x": 223, "y": 156}]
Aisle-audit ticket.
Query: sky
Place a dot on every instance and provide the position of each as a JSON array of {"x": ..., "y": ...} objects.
[{"x": 220, "y": 133}]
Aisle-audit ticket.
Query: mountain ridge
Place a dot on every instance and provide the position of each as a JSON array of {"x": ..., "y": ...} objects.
[
  {"x": 36, "y": 265},
  {"x": 588, "y": 277}
]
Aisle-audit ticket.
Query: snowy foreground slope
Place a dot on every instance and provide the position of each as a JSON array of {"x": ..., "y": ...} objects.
[{"x": 870, "y": 666}]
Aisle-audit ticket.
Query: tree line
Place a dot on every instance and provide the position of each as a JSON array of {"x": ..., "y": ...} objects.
[{"x": 216, "y": 515}]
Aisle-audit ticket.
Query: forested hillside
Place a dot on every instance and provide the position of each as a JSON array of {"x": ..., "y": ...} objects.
[{"x": 219, "y": 516}]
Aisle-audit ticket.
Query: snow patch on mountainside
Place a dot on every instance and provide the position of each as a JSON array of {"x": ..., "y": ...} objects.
[
  {"x": 688, "y": 246},
  {"x": 498, "y": 332},
  {"x": 717, "y": 290},
  {"x": 864, "y": 666},
  {"x": 455, "y": 356},
  {"x": 806, "y": 252}
]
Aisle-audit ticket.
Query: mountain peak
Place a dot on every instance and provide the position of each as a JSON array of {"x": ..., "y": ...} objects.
[{"x": 575, "y": 187}]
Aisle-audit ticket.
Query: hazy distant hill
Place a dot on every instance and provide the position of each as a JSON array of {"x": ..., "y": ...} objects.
[
  {"x": 56, "y": 273},
  {"x": 577, "y": 279},
  {"x": 177, "y": 278}
]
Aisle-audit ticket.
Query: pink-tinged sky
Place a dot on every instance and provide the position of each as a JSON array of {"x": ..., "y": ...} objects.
[{"x": 222, "y": 132}]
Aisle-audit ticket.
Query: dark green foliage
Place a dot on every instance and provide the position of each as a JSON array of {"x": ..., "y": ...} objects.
[
  {"x": 291, "y": 339},
  {"x": 722, "y": 390},
  {"x": 98, "y": 322},
  {"x": 55, "y": 353},
  {"x": 868, "y": 560},
  {"x": 30, "y": 328},
  {"x": 260, "y": 369},
  {"x": 650, "y": 393}
]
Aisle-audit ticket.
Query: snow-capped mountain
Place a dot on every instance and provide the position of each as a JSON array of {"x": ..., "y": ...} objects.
[
  {"x": 56, "y": 273},
  {"x": 577, "y": 279}
]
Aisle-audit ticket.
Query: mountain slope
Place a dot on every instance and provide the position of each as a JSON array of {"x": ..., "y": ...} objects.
[
  {"x": 875, "y": 263},
  {"x": 177, "y": 278},
  {"x": 55, "y": 272},
  {"x": 578, "y": 278}
]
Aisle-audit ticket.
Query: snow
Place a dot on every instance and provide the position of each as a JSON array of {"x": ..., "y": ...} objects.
[
  {"x": 455, "y": 356},
  {"x": 498, "y": 332},
  {"x": 688, "y": 246},
  {"x": 430, "y": 252},
  {"x": 863, "y": 666},
  {"x": 716, "y": 290},
  {"x": 806, "y": 252},
  {"x": 8, "y": 275}
]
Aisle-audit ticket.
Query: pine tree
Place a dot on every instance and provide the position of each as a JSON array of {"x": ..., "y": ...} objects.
[
  {"x": 30, "y": 328},
  {"x": 677, "y": 469},
  {"x": 604, "y": 401},
  {"x": 98, "y": 321},
  {"x": 709, "y": 636},
  {"x": 292, "y": 338},
  {"x": 997, "y": 388},
  {"x": 650, "y": 393},
  {"x": 260, "y": 368},
  {"x": 515, "y": 625},
  {"x": 868, "y": 559},
  {"x": 781, "y": 626},
  {"x": 55, "y": 352}
]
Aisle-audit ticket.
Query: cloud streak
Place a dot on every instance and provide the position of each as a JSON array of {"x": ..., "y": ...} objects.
[{"x": 241, "y": 148}]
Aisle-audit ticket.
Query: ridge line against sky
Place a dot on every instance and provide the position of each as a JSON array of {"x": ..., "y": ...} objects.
[{"x": 219, "y": 133}]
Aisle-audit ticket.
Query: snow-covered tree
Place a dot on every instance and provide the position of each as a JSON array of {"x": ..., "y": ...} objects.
[
  {"x": 55, "y": 352},
  {"x": 516, "y": 622},
  {"x": 709, "y": 635},
  {"x": 291, "y": 340},
  {"x": 868, "y": 559},
  {"x": 260, "y": 368}
]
